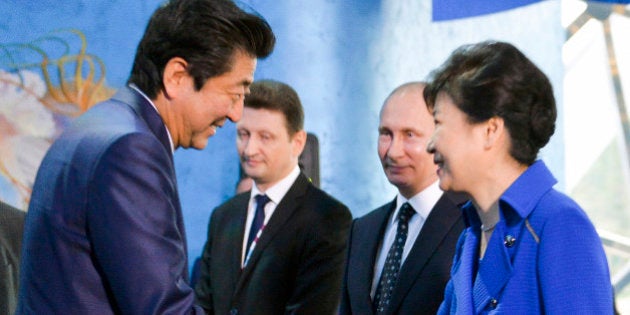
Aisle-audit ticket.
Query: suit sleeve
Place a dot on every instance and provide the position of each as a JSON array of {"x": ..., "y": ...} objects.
[
  {"x": 319, "y": 276},
  {"x": 572, "y": 266},
  {"x": 345, "y": 308},
  {"x": 134, "y": 224}
]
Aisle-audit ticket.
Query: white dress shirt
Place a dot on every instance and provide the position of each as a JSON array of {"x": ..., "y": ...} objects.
[
  {"x": 275, "y": 194},
  {"x": 422, "y": 203}
]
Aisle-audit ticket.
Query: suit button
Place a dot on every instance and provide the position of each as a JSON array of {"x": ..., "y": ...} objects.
[
  {"x": 509, "y": 240},
  {"x": 494, "y": 303},
  {"x": 233, "y": 311}
]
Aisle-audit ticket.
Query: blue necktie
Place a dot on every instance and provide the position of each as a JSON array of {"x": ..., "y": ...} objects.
[
  {"x": 389, "y": 276},
  {"x": 259, "y": 218}
]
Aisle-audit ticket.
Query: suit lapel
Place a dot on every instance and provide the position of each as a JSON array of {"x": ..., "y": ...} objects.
[
  {"x": 149, "y": 114},
  {"x": 145, "y": 110},
  {"x": 281, "y": 215},
  {"x": 440, "y": 221},
  {"x": 495, "y": 269},
  {"x": 367, "y": 246},
  {"x": 238, "y": 228}
]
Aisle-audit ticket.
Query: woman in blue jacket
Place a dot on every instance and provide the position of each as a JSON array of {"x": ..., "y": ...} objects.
[{"x": 527, "y": 248}]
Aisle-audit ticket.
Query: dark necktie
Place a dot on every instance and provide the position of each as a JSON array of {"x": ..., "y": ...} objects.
[
  {"x": 259, "y": 218},
  {"x": 389, "y": 275}
]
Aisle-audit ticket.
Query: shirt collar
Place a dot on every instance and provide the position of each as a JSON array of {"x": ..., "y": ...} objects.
[
  {"x": 277, "y": 191},
  {"x": 422, "y": 202},
  {"x": 170, "y": 139}
]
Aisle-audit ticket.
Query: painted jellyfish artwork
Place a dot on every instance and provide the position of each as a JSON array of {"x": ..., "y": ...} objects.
[{"x": 43, "y": 85}]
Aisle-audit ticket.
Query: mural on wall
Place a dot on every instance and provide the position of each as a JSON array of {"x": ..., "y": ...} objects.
[
  {"x": 43, "y": 84},
  {"x": 342, "y": 57}
]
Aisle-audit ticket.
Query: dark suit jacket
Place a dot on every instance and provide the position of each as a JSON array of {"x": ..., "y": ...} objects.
[
  {"x": 296, "y": 267},
  {"x": 104, "y": 231},
  {"x": 11, "y": 226},
  {"x": 423, "y": 275}
]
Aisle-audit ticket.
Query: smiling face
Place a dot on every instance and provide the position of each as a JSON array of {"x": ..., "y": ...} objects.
[
  {"x": 456, "y": 145},
  {"x": 404, "y": 131},
  {"x": 220, "y": 98},
  {"x": 267, "y": 152}
]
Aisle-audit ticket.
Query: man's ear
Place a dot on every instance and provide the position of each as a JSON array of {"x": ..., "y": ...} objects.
[
  {"x": 298, "y": 141},
  {"x": 175, "y": 78},
  {"x": 494, "y": 131}
]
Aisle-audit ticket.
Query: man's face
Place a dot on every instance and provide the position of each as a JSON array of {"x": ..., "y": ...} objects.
[
  {"x": 267, "y": 152},
  {"x": 404, "y": 131},
  {"x": 219, "y": 99}
]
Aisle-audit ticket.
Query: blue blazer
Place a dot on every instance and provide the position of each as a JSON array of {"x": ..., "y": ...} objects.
[
  {"x": 104, "y": 232},
  {"x": 544, "y": 257}
]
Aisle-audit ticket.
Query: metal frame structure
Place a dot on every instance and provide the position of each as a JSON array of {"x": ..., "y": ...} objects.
[{"x": 615, "y": 244}]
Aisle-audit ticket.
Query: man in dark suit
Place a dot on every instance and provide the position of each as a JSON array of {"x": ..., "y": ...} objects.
[
  {"x": 11, "y": 227},
  {"x": 283, "y": 253},
  {"x": 104, "y": 231},
  {"x": 414, "y": 236}
]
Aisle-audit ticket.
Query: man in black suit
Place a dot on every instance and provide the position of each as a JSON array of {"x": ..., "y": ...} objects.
[
  {"x": 281, "y": 255},
  {"x": 413, "y": 236},
  {"x": 11, "y": 227}
]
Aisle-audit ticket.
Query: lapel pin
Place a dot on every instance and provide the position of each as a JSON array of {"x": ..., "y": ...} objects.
[{"x": 509, "y": 240}]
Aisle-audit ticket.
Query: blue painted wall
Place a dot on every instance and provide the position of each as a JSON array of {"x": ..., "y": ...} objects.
[{"x": 342, "y": 56}]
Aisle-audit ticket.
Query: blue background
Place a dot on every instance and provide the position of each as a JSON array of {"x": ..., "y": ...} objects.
[{"x": 342, "y": 56}]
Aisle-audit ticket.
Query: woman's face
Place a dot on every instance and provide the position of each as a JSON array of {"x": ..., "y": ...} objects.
[{"x": 456, "y": 145}]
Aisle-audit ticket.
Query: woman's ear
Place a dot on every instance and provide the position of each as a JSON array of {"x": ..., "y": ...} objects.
[{"x": 494, "y": 131}]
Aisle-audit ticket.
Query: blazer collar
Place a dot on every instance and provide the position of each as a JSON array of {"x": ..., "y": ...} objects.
[
  {"x": 495, "y": 270},
  {"x": 525, "y": 192},
  {"x": 147, "y": 112},
  {"x": 520, "y": 198},
  {"x": 285, "y": 209}
]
